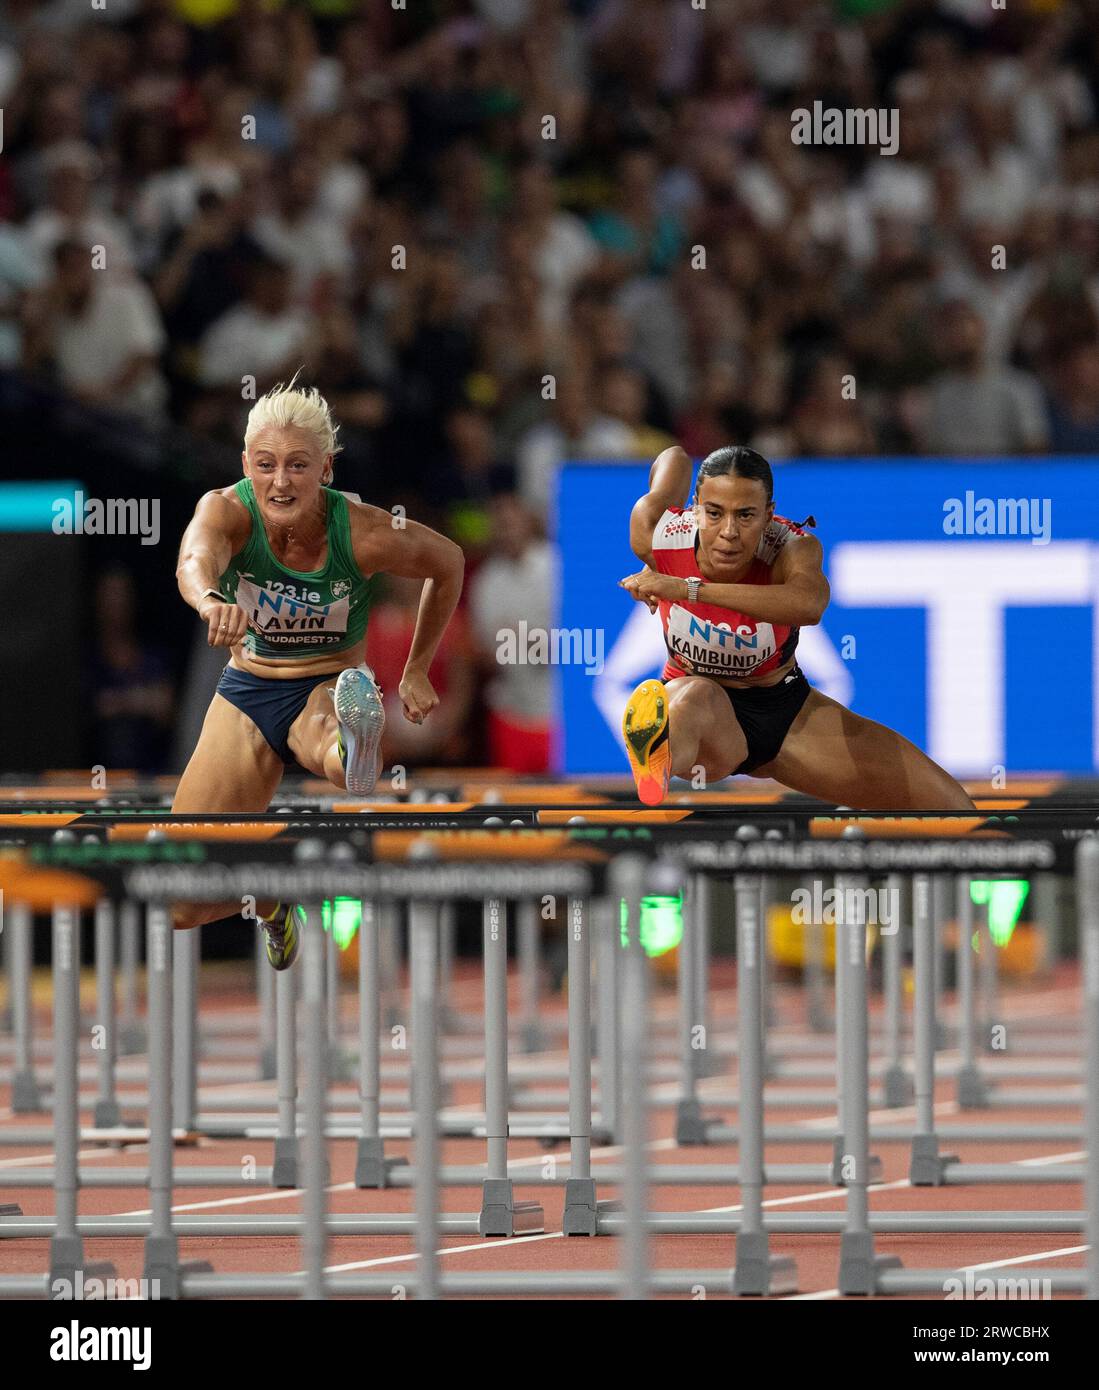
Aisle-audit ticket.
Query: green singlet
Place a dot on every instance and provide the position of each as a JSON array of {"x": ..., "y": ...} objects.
[{"x": 293, "y": 615}]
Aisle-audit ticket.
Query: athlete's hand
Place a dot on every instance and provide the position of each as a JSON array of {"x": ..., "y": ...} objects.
[
  {"x": 417, "y": 696},
  {"x": 650, "y": 588},
  {"x": 227, "y": 623}
]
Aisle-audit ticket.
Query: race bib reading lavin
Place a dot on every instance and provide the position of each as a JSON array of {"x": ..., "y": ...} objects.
[
  {"x": 289, "y": 615},
  {"x": 717, "y": 648}
]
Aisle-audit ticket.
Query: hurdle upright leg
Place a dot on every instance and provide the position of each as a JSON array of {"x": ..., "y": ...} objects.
[
  {"x": 755, "y": 1269},
  {"x": 1087, "y": 887},
  {"x": 859, "y": 1265},
  {"x": 317, "y": 1041},
  {"x": 106, "y": 1112},
  {"x": 131, "y": 1031},
  {"x": 581, "y": 1214},
  {"x": 500, "y": 1214},
  {"x": 841, "y": 1142},
  {"x": 285, "y": 1168},
  {"x": 185, "y": 961},
  {"x": 372, "y": 1167},
  {"x": 691, "y": 1125},
  {"x": 26, "y": 1097},
  {"x": 607, "y": 1028},
  {"x": 268, "y": 1027},
  {"x": 972, "y": 1089},
  {"x": 896, "y": 1083},
  {"x": 528, "y": 929},
  {"x": 162, "y": 1269},
  {"x": 423, "y": 919},
  {"x": 927, "y": 1166},
  {"x": 66, "y": 1245},
  {"x": 628, "y": 880}
]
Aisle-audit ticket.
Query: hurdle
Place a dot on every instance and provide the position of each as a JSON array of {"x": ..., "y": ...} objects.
[{"x": 589, "y": 900}]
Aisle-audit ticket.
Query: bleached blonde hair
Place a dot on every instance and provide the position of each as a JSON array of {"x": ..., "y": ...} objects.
[{"x": 293, "y": 405}]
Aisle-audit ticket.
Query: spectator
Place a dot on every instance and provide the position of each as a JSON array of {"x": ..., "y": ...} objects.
[
  {"x": 626, "y": 399},
  {"x": 975, "y": 407},
  {"x": 71, "y": 171},
  {"x": 299, "y": 233},
  {"x": 575, "y": 430},
  {"x": 1074, "y": 403},
  {"x": 102, "y": 336},
  {"x": 133, "y": 702},
  {"x": 265, "y": 336},
  {"x": 511, "y": 597}
]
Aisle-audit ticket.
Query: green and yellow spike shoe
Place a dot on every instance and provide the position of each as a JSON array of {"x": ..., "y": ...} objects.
[
  {"x": 645, "y": 729},
  {"x": 282, "y": 931},
  {"x": 361, "y": 719}
]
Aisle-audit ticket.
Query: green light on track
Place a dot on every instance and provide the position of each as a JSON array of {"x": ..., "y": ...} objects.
[
  {"x": 1005, "y": 899},
  {"x": 661, "y": 923},
  {"x": 342, "y": 917}
]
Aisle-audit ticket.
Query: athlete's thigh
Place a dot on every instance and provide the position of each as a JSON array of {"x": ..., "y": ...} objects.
[
  {"x": 314, "y": 730},
  {"x": 233, "y": 767},
  {"x": 722, "y": 745},
  {"x": 839, "y": 756}
]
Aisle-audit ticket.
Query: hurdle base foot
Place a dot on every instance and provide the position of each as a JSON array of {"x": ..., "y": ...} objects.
[
  {"x": 79, "y": 1277},
  {"x": 840, "y": 1159},
  {"x": 898, "y": 1089},
  {"x": 821, "y": 1021},
  {"x": 163, "y": 1269},
  {"x": 341, "y": 1065},
  {"x": 710, "y": 1064},
  {"x": 26, "y": 1096},
  {"x": 875, "y": 1172},
  {"x": 532, "y": 1038},
  {"x": 973, "y": 1092},
  {"x": 132, "y": 1039},
  {"x": 691, "y": 1126},
  {"x": 10, "y": 1209},
  {"x": 372, "y": 1167},
  {"x": 928, "y": 1166},
  {"x": 859, "y": 1266},
  {"x": 268, "y": 1069},
  {"x": 502, "y": 1215},
  {"x": 107, "y": 1114},
  {"x": 284, "y": 1170},
  {"x": 756, "y": 1272},
  {"x": 581, "y": 1215}
]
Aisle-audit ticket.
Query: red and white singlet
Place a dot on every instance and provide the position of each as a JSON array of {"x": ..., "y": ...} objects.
[{"x": 703, "y": 639}]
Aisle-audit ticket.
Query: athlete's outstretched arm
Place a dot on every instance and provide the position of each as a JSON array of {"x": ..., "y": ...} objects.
[
  {"x": 797, "y": 595},
  {"x": 216, "y": 532},
  {"x": 669, "y": 486},
  {"x": 413, "y": 551}
]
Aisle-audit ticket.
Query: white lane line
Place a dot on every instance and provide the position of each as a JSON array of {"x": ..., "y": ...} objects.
[
  {"x": 29, "y": 1160},
  {"x": 450, "y": 1250},
  {"x": 1030, "y": 1259}
]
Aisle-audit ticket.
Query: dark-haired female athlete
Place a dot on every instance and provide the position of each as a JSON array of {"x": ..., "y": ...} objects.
[{"x": 733, "y": 583}]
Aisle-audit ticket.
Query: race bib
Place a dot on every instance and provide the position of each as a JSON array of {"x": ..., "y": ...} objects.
[{"x": 717, "y": 648}]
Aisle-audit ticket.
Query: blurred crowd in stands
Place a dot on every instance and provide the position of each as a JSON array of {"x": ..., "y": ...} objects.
[{"x": 499, "y": 234}]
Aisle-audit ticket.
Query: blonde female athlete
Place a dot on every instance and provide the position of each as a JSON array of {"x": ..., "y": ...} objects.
[
  {"x": 281, "y": 567},
  {"x": 733, "y": 583}
]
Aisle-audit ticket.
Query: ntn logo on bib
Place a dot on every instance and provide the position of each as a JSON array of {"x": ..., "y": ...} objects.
[
  {"x": 272, "y": 612},
  {"x": 732, "y": 645}
]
